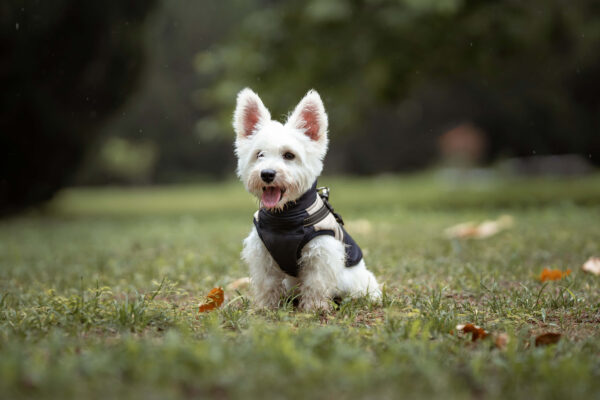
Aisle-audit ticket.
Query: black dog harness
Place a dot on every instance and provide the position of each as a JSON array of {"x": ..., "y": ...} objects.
[{"x": 285, "y": 232}]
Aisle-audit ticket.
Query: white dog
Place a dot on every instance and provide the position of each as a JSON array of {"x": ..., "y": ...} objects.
[{"x": 297, "y": 241}]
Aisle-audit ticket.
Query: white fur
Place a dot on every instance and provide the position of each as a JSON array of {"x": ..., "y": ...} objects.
[{"x": 261, "y": 144}]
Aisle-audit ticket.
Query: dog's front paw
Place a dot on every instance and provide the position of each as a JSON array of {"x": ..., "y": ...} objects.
[
  {"x": 267, "y": 299},
  {"x": 266, "y": 302},
  {"x": 310, "y": 305}
]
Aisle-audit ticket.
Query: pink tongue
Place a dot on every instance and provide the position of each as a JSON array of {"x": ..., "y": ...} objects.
[{"x": 271, "y": 197}]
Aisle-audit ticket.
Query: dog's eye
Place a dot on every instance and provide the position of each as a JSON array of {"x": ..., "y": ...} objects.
[
  {"x": 289, "y": 156},
  {"x": 260, "y": 154}
]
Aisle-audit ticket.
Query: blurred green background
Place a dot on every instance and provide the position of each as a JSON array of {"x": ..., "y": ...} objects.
[
  {"x": 117, "y": 153},
  {"x": 143, "y": 92}
]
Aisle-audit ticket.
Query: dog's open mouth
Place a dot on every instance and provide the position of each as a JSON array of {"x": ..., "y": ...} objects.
[{"x": 271, "y": 196}]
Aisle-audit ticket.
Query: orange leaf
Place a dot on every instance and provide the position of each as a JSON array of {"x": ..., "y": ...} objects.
[
  {"x": 553, "y": 274},
  {"x": 477, "y": 332},
  {"x": 214, "y": 299},
  {"x": 547, "y": 338}
]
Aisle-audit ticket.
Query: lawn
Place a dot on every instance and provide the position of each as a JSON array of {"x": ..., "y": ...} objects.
[{"x": 99, "y": 293}]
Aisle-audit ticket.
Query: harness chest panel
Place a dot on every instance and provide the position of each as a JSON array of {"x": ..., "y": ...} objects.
[{"x": 286, "y": 232}]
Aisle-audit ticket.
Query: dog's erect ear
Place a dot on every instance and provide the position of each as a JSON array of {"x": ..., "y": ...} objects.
[
  {"x": 250, "y": 113},
  {"x": 310, "y": 117}
]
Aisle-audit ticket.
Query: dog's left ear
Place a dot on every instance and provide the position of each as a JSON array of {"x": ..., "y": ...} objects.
[{"x": 310, "y": 117}]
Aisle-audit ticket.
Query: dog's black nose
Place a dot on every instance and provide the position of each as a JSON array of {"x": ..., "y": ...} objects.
[{"x": 267, "y": 175}]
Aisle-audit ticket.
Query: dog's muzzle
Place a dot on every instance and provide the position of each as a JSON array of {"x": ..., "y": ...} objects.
[{"x": 267, "y": 175}]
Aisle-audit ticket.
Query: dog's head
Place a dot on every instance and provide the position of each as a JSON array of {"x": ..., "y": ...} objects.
[{"x": 279, "y": 162}]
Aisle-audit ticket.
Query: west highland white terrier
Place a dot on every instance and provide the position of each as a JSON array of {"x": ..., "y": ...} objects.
[{"x": 297, "y": 242}]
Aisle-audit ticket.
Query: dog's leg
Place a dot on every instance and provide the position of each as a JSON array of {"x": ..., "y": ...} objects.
[
  {"x": 321, "y": 263},
  {"x": 266, "y": 278},
  {"x": 292, "y": 286},
  {"x": 358, "y": 281}
]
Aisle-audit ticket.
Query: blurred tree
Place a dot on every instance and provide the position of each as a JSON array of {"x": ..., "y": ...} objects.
[
  {"x": 164, "y": 114},
  {"x": 396, "y": 74},
  {"x": 65, "y": 66}
]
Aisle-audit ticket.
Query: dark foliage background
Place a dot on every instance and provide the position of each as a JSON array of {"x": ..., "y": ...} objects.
[
  {"x": 396, "y": 76},
  {"x": 65, "y": 66}
]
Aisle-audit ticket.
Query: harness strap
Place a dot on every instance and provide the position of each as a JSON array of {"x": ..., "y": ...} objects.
[
  {"x": 317, "y": 217},
  {"x": 337, "y": 216},
  {"x": 321, "y": 213}
]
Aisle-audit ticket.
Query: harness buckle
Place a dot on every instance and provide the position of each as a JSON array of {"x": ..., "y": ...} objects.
[{"x": 323, "y": 192}]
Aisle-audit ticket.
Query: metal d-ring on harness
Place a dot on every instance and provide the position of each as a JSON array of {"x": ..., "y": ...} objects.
[{"x": 321, "y": 213}]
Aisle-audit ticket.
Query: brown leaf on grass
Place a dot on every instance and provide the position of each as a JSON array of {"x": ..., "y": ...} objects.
[
  {"x": 501, "y": 340},
  {"x": 214, "y": 299},
  {"x": 553, "y": 274},
  {"x": 483, "y": 230},
  {"x": 592, "y": 266},
  {"x": 547, "y": 338},
  {"x": 238, "y": 284},
  {"x": 476, "y": 332}
]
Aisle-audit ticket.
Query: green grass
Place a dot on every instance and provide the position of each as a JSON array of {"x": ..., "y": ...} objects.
[{"x": 99, "y": 294}]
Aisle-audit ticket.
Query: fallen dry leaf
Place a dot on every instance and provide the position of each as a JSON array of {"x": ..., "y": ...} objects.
[
  {"x": 461, "y": 231},
  {"x": 238, "y": 284},
  {"x": 501, "y": 340},
  {"x": 547, "y": 338},
  {"x": 359, "y": 226},
  {"x": 476, "y": 331},
  {"x": 592, "y": 266},
  {"x": 214, "y": 299},
  {"x": 553, "y": 274},
  {"x": 483, "y": 230}
]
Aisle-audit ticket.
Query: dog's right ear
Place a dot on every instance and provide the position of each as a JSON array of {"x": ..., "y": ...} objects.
[{"x": 250, "y": 114}]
